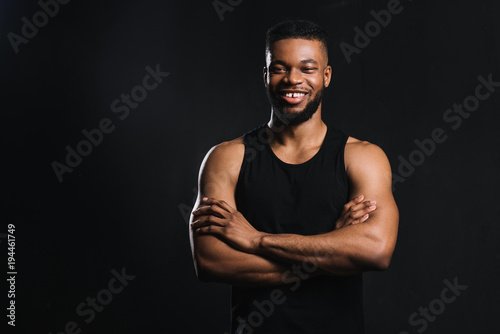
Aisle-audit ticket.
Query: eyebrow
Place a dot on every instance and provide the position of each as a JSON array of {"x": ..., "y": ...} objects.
[
  {"x": 304, "y": 61},
  {"x": 278, "y": 62}
]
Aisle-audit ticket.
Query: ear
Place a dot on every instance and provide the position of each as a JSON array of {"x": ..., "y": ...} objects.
[
  {"x": 327, "y": 75},
  {"x": 264, "y": 72}
]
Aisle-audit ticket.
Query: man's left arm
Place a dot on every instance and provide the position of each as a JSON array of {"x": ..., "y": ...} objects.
[
  {"x": 353, "y": 248},
  {"x": 349, "y": 250}
]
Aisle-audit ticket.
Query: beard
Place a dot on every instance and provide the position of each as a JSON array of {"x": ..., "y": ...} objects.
[{"x": 289, "y": 118}]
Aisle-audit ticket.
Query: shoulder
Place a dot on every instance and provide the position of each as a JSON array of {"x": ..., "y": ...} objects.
[
  {"x": 356, "y": 148},
  {"x": 228, "y": 150},
  {"x": 364, "y": 156},
  {"x": 224, "y": 158}
]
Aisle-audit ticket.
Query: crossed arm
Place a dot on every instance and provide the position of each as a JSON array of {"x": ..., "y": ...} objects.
[{"x": 226, "y": 248}]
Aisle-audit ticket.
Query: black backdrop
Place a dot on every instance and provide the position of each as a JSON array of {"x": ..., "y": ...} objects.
[{"x": 124, "y": 206}]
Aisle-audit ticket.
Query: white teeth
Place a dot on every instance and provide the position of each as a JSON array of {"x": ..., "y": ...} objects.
[{"x": 294, "y": 94}]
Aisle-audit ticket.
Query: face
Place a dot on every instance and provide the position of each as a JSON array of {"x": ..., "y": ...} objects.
[{"x": 295, "y": 75}]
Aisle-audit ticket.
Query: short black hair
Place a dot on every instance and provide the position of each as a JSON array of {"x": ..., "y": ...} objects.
[{"x": 297, "y": 29}]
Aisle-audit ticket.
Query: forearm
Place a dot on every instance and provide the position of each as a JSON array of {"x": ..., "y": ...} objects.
[
  {"x": 347, "y": 251},
  {"x": 215, "y": 261},
  {"x": 251, "y": 270}
]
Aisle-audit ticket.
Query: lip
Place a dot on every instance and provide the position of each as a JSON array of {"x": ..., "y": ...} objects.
[{"x": 292, "y": 100}]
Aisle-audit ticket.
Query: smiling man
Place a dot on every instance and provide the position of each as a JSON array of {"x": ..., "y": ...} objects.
[{"x": 294, "y": 211}]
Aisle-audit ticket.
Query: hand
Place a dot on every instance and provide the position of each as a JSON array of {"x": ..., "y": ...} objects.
[
  {"x": 355, "y": 212},
  {"x": 219, "y": 218}
]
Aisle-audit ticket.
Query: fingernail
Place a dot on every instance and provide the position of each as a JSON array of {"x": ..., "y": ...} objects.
[
  {"x": 365, "y": 216},
  {"x": 205, "y": 198},
  {"x": 359, "y": 197},
  {"x": 373, "y": 202},
  {"x": 372, "y": 207}
]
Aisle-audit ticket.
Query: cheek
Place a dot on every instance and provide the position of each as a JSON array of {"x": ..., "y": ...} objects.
[
  {"x": 273, "y": 86},
  {"x": 315, "y": 83},
  {"x": 274, "y": 80},
  {"x": 321, "y": 84}
]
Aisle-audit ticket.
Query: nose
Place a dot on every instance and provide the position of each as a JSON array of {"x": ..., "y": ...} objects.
[{"x": 293, "y": 77}]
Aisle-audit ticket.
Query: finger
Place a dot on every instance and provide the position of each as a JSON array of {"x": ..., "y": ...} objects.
[
  {"x": 352, "y": 202},
  {"x": 366, "y": 206},
  {"x": 361, "y": 220},
  {"x": 355, "y": 200},
  {"x": 210, "y": 209},
  {"x": 350, "y": 216},
  {"x": 351, "y": 208},
  {"x": 206, "y": 221},
  {"x": 220, "y": 203},
  {"x": 210, "y": 229},
  {"x": 361, "y": 212},
  {"x": 362, "y": 205}
]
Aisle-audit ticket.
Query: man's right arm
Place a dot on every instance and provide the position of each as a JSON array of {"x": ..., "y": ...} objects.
[{"x": 214, "y": 259}]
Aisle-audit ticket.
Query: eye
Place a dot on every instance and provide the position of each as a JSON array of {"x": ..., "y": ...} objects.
[
  {"x": 278, "y": 69},
  {"x": 309, "y": 69}
]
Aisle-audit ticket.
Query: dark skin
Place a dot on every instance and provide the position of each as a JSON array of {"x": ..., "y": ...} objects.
[
  {"x": 227, "y": 248},
  {"x": 296, "y": 70}
]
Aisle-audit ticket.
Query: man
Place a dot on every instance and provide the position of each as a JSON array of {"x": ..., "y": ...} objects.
[{"x": 292, "y": 213}]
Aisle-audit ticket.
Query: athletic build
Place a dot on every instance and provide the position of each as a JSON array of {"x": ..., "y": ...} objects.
[{"x": 257, "y": 262}]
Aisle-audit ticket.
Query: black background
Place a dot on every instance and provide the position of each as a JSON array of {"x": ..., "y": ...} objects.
[{"x": 127, "y": 203}]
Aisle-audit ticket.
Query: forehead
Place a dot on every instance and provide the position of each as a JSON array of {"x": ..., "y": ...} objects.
[{"x": 292, "y": 50}]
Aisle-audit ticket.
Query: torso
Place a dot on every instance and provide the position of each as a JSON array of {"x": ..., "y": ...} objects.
[{"x": 300, "y": 191}]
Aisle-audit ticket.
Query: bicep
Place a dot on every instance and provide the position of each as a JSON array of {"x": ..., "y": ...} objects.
[
  {"x": 369, "y": 174},
  {"x": 217, "y": 179}
]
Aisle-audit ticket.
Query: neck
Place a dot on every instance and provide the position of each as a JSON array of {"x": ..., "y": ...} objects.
[{"x": 309, "y": 132}]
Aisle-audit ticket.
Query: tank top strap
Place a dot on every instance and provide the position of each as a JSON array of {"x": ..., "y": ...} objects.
[{"x": 335, "y": 143}]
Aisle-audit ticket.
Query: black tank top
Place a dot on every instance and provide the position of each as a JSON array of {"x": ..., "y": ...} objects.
[{"x": 307, "y": 198}]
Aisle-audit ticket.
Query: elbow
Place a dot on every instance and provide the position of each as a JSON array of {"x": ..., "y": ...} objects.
[
  {"x": 382, "y": 258},
  {"x": 382, "y": 263},
  {"x": 379, "y": 251}
]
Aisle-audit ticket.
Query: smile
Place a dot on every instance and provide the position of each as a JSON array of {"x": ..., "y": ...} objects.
[
  {"x": 293, "y": 97},
  {"x": 294, "y": 94}
]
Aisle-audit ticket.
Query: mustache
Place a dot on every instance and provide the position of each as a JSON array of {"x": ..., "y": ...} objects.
[{"x": 278, "y": 89}]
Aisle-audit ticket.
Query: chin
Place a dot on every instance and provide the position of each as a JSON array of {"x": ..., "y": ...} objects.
[
  {"x": 296, "y": 108},
  {"x": 293, "y": 111}
]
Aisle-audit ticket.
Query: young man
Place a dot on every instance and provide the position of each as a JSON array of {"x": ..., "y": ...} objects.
[{"x": 292, "y": 212}]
